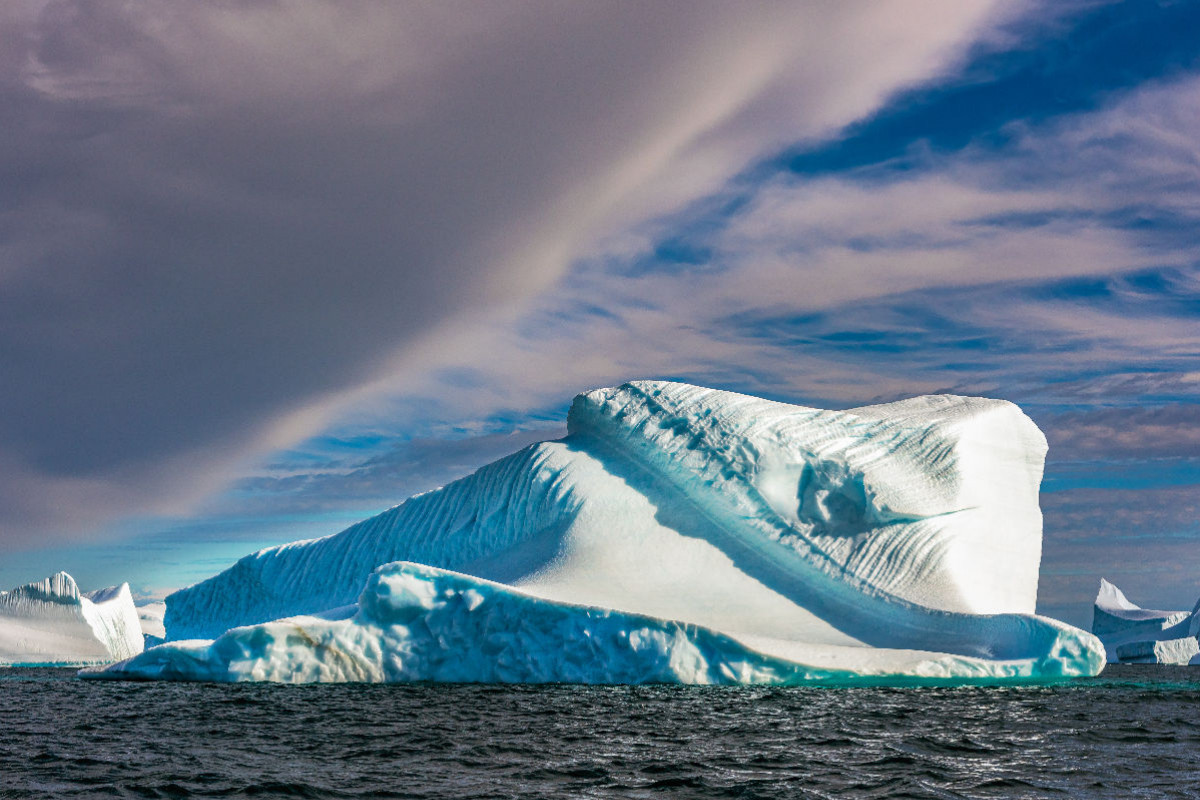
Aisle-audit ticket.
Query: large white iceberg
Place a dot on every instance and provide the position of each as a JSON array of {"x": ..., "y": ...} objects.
[
  {"x": 51, "y": 622},
  {"x": 676, "y": 534},
  {"x": 1136, "y": 635}
]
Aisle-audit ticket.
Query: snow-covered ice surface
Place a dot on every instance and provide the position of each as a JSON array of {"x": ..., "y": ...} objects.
[
  {"x": 734, "y": 539},
  {"x": 52, "y": 622},
  {"x": 1136, "y": 635}
]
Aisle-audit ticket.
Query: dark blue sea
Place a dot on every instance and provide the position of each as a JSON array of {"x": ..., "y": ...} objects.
[{"x": 1134, "y": 732}]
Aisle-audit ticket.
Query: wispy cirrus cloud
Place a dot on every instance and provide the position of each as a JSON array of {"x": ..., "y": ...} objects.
[
  {"x": 381, "y": 479},
  {"x": 1160, "y": 431}
]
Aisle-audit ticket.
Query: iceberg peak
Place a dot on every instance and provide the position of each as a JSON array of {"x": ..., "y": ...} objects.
[{"x": 58, "y": 588}]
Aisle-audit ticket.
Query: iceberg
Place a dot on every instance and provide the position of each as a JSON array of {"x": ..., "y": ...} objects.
[
  {"x": 676, "y": 534},
  {"x": 1136, "y": 635},
  {"x": 51, "y": 622}
]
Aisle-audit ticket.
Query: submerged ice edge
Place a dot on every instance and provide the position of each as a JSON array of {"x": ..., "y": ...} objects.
[{"x": 419, "y": 623}]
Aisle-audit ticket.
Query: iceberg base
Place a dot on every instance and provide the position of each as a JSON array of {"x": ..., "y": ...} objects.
[{"x": 420, "y": 623}]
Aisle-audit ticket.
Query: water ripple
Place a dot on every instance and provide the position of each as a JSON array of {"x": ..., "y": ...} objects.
[{"x": 1131, "y": 733}]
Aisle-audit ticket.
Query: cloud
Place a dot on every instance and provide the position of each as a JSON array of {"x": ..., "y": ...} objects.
[
  {"x": 1171, "y": 431},
  {"x": 404, "y": 469},
  {"x": 1127, "y": 387},
  {"x": 1095, "y": 193},
  {"x": 219, "y": 222},
  {"x": 1067, "y": 254}
]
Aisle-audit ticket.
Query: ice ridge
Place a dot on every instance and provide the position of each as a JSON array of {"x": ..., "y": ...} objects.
[{"x": 520, "y": 499}]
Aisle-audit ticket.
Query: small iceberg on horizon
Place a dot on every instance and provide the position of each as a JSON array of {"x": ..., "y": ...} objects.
[
  {"x": 1135, "y": 635},
  {"x": 51, "y": 623},
  {"x": 677, "y": 534}
]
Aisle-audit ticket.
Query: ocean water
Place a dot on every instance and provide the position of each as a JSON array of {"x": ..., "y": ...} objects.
[{"x": 1134, "y": 732}]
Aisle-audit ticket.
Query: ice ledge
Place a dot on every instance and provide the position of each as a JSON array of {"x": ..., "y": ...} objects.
[{"x": 419, "y": 623}]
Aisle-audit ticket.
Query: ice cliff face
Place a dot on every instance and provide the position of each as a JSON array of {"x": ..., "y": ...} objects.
[
  {"x": 1136, "y": 635},
  {"x": 786, "y": 543},
  {"x": 52, "y": 622}
]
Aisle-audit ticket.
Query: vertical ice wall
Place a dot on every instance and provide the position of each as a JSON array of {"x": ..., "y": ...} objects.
[{"x": 114, "y": 620}]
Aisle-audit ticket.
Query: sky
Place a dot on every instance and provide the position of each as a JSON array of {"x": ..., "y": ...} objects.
[{"x": 269, "y": 268}]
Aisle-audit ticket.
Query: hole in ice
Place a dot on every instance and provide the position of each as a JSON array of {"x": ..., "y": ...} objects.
[{"x": 833, "y": 499}]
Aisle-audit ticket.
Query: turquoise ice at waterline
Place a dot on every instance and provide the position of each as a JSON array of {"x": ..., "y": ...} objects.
[{"x": 677, "y": 534}]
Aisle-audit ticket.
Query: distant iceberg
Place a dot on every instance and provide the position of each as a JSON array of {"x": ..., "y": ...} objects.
[
  {"x": 1136, "y": 635},
  {"x": 51, "y": 622},
  {"x": 150, "y": 618},
  {"x": 677, "y": 534}
]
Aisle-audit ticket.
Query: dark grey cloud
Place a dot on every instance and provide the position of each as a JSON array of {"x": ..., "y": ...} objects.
[{"x": 215, "y": 219}]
